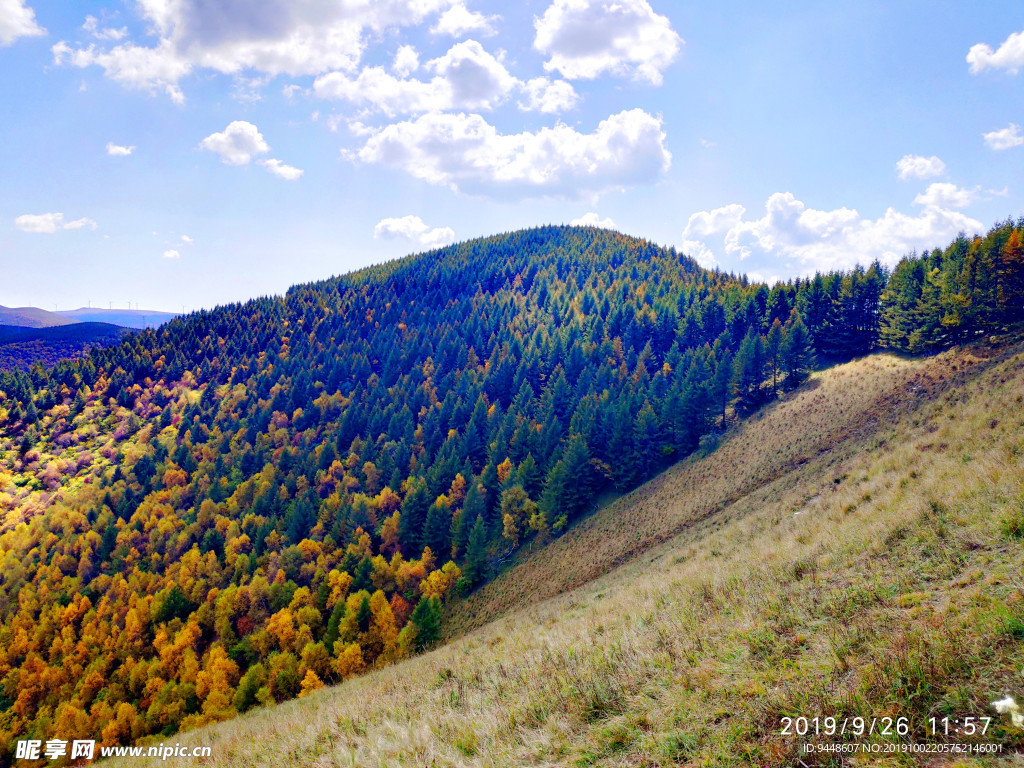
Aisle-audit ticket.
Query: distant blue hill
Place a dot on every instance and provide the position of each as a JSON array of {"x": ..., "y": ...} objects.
[
  {"x": 128, "y": 318},
  {"x": 32, "y": 317}
]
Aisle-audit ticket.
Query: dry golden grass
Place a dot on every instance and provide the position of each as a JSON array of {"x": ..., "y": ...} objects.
[{"x": 856, "y": 550}]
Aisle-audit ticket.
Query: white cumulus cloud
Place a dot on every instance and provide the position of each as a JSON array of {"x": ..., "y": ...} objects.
[
  {"x": 376, "y": 88},
  {"x": 240, "y": 143},
  {"x": 476, "y": 78},
  {"x": 707, "y": 223},
  {"x": 80, "y": 224},
  {"x": 586, "y": 38},
  {"x": 704, "y": 223},
  {"x": 170, "y": 253},
  {"x": 946, "y": 195},
  {"x": 17, "y": 20},
  {"x": 543, "y": 95},
  {"x": 237, "y": 144},
  {"x": 918, "y": 167},
  {"x": 287, "y": 172},
  {"x": 406, "y": 61},
  {"x": 49, "y": 223},
  {"x": 1004, "y": 138},
  {"x": 1009, "y": 55},
  {"x": 466, "y": 153},
  {"x": 458, "y": 21},
  {"x": 92, "y": 26},
  {"x": 699, "y": 252},
  {"x": 591, "y": 219},
  {"x": 119, "y": 150},
  {"x": 413, "y": 228},
  {"x": 272, "y": 37},
  {"x": 466, "y": 77},
  {"x": 134, "y": 66},
  {"x": 821, "y": 240}
]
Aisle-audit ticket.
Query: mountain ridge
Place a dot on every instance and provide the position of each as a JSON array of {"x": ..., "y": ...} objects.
[
  {"x": 32, "y": 317},
  {"x": 263, "y": 498},
  {"x": 127, "y": 318}
]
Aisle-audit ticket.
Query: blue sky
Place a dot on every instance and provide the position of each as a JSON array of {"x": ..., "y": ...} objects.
[{"x": 185, "y": 153}]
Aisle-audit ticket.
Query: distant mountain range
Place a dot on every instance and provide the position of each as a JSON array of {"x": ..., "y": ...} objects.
[
  {"x": 127, "y": 318},
  {"x": 31, "y": 317},
  {"x": 34, "y": 317},
  {"x": 30, "y": 334}
]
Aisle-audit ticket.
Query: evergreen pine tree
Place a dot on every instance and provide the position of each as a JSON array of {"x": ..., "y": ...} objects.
[
  {"x": 579, "y": 487},
  {"x": 720, "y": 391},
  {"x": 529, "y": 476},
  {"x": 333, "y": 625},
  {"x": 413, "y": 518},
  {"x": 928, "y": 333},
  {"x": 795, "y": 351},
  {"x": 426, "y": 616},
  {"x": 437, "y": 531},
  {"x": 773, "y": 354},
  {"x": 694, "y": 404},
  {"x": 619, "y": 449},
  {"x": 898, "y": 302},
  {"x": 476, "y": 553},
  {"x": 646, "y": 441},
  {"x": 472, "y": 508},
  {"x": 364, "y": 614},
  {"x": 552, "y": 500},
  {"x": 748, "y": 372}
]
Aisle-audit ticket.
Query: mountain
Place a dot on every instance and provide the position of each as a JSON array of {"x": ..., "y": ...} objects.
[
  {"x": 21, "y": 347},
  {"x": 32, "y": 317},
  {"x": 249, "y": 502},
  {"x": 852, "y": 551},
  {"x": 92, "y": 328},
  {"x": 128, "y": 318}
]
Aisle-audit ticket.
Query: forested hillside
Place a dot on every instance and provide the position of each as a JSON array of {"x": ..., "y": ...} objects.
[
  {"x": 22, "y": 347},
  {"x": 247, "y": 503},
  {"x": 879, "y": 572}
]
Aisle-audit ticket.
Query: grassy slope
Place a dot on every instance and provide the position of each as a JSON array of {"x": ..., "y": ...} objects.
[{"x": 854, "y": 551}]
